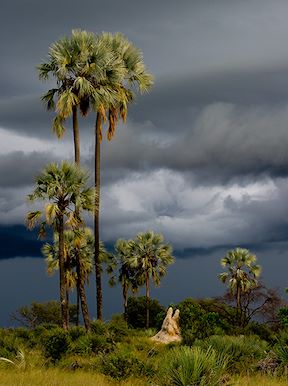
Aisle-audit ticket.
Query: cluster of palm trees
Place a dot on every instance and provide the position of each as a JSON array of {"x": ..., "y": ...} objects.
[
  {"x": 138, "y": 261},
  {"x": 94, "y": 74}
]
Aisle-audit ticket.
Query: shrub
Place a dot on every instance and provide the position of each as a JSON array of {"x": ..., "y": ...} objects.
[
  {"x": 197, "y": 322},
  {"x": 136, "y": 312},
  {"x": 261, "y": 330},
  {"x": 98, "y": 327},
  {"x": 117, "y": 328},
  {"x": 185, "y": 366},
  {"x": 241, "y": 350},
  {"x": 120, "y": 365},
  {"x": 56, "y": 343},
  {"x": 91, "y": 343},
  {"x": 76, "y": 331}
]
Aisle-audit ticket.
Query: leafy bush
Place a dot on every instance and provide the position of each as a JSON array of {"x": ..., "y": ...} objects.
[
  {"x": 197, "y": 322},
  {"x": 56, "y": 343},
  {"x": 136, "y": 312},
  {"x": 261, "y": 330},
  {"x": 241, "y": 350},
  {"x": 121, "y": 364},
  {"x": 185, "y": 366},
  {"x": 9, "y": 344},
  {"x": 91, "y": 343},
  {"x": 76, "y": 331},
  {"x": 283, "y": 316},
  {"x": 98, "y": 327},
  {"x": 41, "y": 313},
  {"x": 117, "y": 328}
]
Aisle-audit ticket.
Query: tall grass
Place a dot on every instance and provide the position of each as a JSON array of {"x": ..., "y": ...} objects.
[{"x": 185, "y": 366}]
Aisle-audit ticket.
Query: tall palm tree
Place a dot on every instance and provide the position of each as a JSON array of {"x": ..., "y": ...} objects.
[
  {"x": 125, "y": 74},
  {"x": 241, "y": 276},
  {"x": 74, "y": 63},
  {"x": 62, "y": 187},
  {"x": 151, "y": 256}
]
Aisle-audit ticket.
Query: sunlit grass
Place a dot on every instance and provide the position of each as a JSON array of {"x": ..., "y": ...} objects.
[
  {"x": 258, "y": 380},
  {"x": 58, "y": 377}
]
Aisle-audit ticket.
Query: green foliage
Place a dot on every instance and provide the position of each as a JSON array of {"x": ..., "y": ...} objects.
[
  {"x": 56, "y": 343},
  {"x": 283, "y": 316},
  {"x": 75, "y": 332},
  {"x": 242, "y": 351},
  {"x": 98, "y": 327},
  {"x": 121, "y": 364},
  {"x": 118, "y": 327},
  {"x": 136, "y": 312},
  {"x": 9, "y": 344},
  {"x": 91, "y": 343},
  {"x": 38, "y": 314},
  {"x": 262, "y": 330},
  {"x": 196, "y": 322},
  {"x": 185, "y": 366}
]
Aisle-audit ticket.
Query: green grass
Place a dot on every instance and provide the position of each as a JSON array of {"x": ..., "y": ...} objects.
[
  {"x": 257, "y": 380},
  {"x": 58, "y": 377}
]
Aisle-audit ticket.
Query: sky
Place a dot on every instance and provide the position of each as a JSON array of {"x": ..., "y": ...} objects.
[{"x": 202, "y": 158}]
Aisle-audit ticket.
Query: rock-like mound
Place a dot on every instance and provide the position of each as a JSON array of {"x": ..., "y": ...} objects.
[{"x": 170, "y": 330}]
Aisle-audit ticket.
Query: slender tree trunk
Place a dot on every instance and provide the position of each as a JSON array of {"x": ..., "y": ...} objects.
[
  {"x": 147, "y": 299},
  {"x": 96, "y": 218},
  {"x": 125, "y": 298},
  {"x": 77, "y": 303},
  {"x": 238, "y": 294},
  {"x": 63, "y": 300},
  {"x": 76, "y": 136},
  {"x": 81, "y": 295},
  {"x": 83, "y": 299}
]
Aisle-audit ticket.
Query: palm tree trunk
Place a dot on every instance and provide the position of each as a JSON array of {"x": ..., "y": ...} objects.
[
  {"x": 125, "y": 298},
  {"x": 77, "y": 303},
  {"x": 147, "y": 299},
  {"x": 96, "y": 218},
  {"x": 63, "y": 300},
  {"x": 80, "y": 279},
  {"x": 76, "y": 136}
]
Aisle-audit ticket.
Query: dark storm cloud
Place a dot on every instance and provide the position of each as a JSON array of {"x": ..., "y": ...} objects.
[
  {"x": 18, "y": 169},
  {"x": 12, "y": 237}
]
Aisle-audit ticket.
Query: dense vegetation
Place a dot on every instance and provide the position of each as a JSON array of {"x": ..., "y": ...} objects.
[{"x": 239, "y": 339}]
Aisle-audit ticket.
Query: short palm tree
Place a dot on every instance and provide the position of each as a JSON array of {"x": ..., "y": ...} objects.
[
  {"x": 241, "y": 276},
  {"x": 151, "y": 257},
  {"x": 122, "y": 270},
  {"x": 62, "y": 188},
  {"x": 76, "y": 243}
]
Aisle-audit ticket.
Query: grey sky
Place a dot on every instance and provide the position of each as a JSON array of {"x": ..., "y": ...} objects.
[{"x": 203, "y": 157}]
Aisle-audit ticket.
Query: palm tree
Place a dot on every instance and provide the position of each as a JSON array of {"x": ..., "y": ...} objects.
[
  {"x": 74, "y": 62},
  {"x": 62, "y": 187},
  {"x": 126, "y": 73},
  {"x": 122, "y": 270},
  {"x": 241, "y": 276},
  {"x": 76, "y": 243},
  {"x": 151, "y": 256}
]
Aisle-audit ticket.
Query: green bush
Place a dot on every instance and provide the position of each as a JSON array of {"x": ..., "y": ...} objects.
[
  {"x": 9, "y": 344},
  {"x": 56, "y": 343},
  {"x": 242, "y": 351},
  {"x": 76, "y": 331},
  {"x": 120, "y": 365},
  {"x": 261, "y": 330},
  {"x": 91, "y": 343},
  {"x": 98, "y": 327},
  {"x": 283, "y": 316},
  {"x": 185, "y": 366},
  {"x": 117, "y": 328},
  {"x": 136, "y": 312},
  {"x": 197, "y": 322}
]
